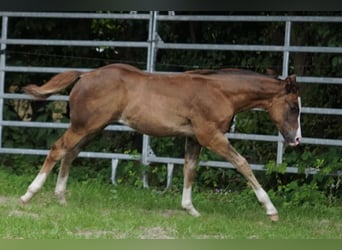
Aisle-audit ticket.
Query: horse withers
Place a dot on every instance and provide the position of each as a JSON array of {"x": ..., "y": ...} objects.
[{"x": 198, "y": 105}]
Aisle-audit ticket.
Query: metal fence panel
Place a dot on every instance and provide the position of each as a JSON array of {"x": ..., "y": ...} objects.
[{"x": 153, "y": 44}]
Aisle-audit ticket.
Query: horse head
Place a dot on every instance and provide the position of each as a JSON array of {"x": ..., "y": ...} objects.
[{"x": 285, "y": 111}]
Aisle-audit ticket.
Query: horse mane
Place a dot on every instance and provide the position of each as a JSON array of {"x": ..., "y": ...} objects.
[
  {"x": 208, "y": 72},
  {"x": 290, "y": 86}
]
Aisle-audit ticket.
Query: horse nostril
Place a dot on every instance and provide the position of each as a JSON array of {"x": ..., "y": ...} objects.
[{"x": 298, "y": 139}]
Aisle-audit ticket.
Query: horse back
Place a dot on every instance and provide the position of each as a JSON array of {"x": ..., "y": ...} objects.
[{"x": 155, "y": 104}]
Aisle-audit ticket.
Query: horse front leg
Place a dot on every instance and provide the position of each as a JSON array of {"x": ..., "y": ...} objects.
[
  {"x": 218, "y": 143},
  {"x": 192, "y": 151},
  {"x": 243, "y": 167}
]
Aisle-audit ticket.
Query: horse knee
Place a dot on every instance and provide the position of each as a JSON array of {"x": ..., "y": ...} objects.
[
  {"x": 242, "y": 166},
  {"x": 56, "y": 152}
]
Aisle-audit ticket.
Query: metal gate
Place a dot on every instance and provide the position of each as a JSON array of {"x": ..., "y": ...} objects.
[{"x": 153, "y": 44}]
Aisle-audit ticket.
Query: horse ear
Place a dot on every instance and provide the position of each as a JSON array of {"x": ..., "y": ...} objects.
[
  {"x": 272, "y": 73},
  {"x": 291, "y": 86},
  {"x": 291, "y": 79}
]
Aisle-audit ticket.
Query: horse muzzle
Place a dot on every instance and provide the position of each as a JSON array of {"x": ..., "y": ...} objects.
[
  {"x": 293, "y": 138},
  {"x": 295, "y": 143}
]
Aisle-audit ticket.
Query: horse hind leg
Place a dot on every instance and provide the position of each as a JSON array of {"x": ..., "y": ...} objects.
[
  {"x": 57, "y": 152},
  {"x": 54, "y": 155},
  {"x": 192, "y": 151},
  {"x": 63, "y": 174},
  {"x": 64, "y": 169}
]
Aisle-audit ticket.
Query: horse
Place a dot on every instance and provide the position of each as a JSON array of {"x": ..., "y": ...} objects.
[{"x": 198, "y": 105}]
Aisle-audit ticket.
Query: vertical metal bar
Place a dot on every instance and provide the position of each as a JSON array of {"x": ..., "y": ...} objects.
[
  {"x": 286, "y": 53},
  {"x": 150, "y": 68},
  {"x": 115, "y": 163},
  {"x": 152, "y": 34},
  {"x": 145, "y": 179},
  {"x": 2, "y": 70},
  {"x": 170, "y": 167},
  {"x": 286, "y": 56},
  {"x": 151, "y": 50}
]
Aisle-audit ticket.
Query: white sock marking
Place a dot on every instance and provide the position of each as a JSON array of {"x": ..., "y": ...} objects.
[
  {"x": 186, "y": 197},
  {"x": 35, "y": 186},
  {"x": 61, "y": 185},
  {"x": 187, "y": 203},
  {"x": 38, "y": 182},
  {"x": 265, "y": 200},
  {"x": 299, "y": 130}
]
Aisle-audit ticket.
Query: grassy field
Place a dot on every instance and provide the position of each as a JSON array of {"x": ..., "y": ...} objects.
[{"x": 96, "y": 210}]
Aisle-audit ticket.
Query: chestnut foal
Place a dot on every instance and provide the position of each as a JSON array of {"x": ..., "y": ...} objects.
[{"x": 196, "y": 104}]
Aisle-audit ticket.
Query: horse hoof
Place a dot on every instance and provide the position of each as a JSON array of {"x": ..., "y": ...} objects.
[
  {"x": 194, "y": 212},
  {"x": 25, "y": 198},
  {"x": 22, "y": 201},
  {"x": 274, "y": 217},
  {"x": 191, "y": 210},
  {"x": 61, "y": 198},
  {"x": 62, "y": 202}
]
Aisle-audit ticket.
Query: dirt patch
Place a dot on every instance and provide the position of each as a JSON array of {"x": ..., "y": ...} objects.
[
  {"x": 18, "y": 213},
  {"x": 3, "y": 199},
  {"x": 170, "y": 213},
  {"x": 156, "y": 233},
  {"x": 326, "y": 225},
  {"x": 206, "y": 237},
  {"x": 94, "y": 234},
  {"x": 146, "y": 233},
  {"x": 12, "y": 204},
  {"x": 8, "y": 200}
]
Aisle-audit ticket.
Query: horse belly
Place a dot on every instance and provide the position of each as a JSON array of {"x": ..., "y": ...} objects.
[{"x": 158, "y": 125}]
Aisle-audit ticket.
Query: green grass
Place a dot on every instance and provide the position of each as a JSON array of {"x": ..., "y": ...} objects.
[{"x": 99, "y": 210}]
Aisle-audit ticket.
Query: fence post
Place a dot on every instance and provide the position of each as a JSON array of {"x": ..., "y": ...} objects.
[
  {"x": 152, "y": 32},
  {"x": 152, "y": 40},
  {"x": 115, "y": 163},
  {"x": 286, "y": 55},
  {"x": 2, "y": 70},
  {"x": 170, "y": 167}
]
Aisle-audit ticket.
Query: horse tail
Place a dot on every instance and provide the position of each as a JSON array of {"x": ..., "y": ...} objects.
[{"x": 54, "y": 85}]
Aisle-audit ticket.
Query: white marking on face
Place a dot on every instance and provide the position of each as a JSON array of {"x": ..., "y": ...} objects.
[{"x": 299, "y": 130}]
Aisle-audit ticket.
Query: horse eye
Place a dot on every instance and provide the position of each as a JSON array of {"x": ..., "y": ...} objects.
[{"x": 294, "y": 108}]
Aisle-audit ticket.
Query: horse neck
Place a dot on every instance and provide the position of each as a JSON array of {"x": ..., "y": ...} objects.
[{"x": 256, "y": 93}]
